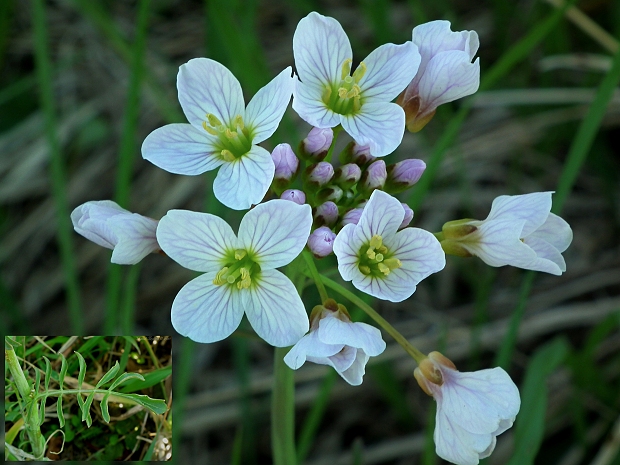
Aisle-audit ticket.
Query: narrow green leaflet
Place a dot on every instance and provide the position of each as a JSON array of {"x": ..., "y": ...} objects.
[
  {"x": 48, "y": 373},
  {"x": 109, "y": 376},
  {"x": 63, "y": 371},
  {"x": 126, "y": 377},
  {"x": 150, "y": 379},
  {"x": 61, "y": 380},
  {"x": 10, "y": 344},
  {"x": 82, "y": 372},
  {"x": 61, "y": 415}
]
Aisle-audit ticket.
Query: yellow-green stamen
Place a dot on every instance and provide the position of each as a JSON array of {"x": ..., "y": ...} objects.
[
  {"x": 376, "y": 260},
  {"x": 234, "y": 139},
  {"x": 346, "y": 99}
]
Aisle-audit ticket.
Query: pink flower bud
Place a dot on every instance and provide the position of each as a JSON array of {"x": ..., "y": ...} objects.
[
  {"x": 374, "y": 177},
  {"x": 321, "y": 241},
  {"x": 286, "y": 163},
  {"x": 358, "y": 154},
  {"x": 317, "y": 144},
  {"x": 403, "y": 175},
  {"x": 294, "y": 195},
  {"x": 347, "y": 175},
  {"x": 319, "y": 174},
  {"x": 326, "y": 214},
  {"x": 352, "y": 216},
  {"x": 408, "y": 216}
]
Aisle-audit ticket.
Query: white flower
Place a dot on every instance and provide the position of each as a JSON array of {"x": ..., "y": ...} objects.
[
  {"x": 381, "y": 261},
  {"x": 328, "y": 95},
  {"x": 129, "y": 235},
  {"x": 222, "y": 131},
  {"x": 519, "y": 231},
  {"x": 472, "y": 408},
  {"x": 446, "y": 72},
  {"x": 336, "y": 341},
  {"x": 239, "y": 272}
]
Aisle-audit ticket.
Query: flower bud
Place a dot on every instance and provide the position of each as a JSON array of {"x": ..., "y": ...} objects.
[
  {"x": 287, "y": 166},
  {"x": 458, "y": 229},
  {"x": 374, "y": 177},
  {"x": 326, "y": 214},
  {"x": 321, "y": 241},
  {"x": 408, "y": 216},
  {"x": 294, "y": 195},
  {"x": 403, "y": 175},
  {"x": 352, "y": 216},
  {"x": 358, "y": 154},
  {"x": 332, "y": 192},
  {"x": 319, "y": 174},
  {"x": 347, "y": 175},
  {"x": 316, "y": 145}
]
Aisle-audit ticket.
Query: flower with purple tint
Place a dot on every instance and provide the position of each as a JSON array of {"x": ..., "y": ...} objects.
[
  {"x": 403, "y": 175},
  {"x": 326, "y": 214},
  {"x": 520, "y": 231},
  {"x": 381, "y": 261},
  {"x": 316, "y": 145},
  {"x": 408, "y": 216},
  {"x": 130, "y": 236},
  {"x": 285, "y": 162},
  {"x": 294, "y": 195},
  {"x": 352, "y": 216},
  {"x": 446, "y": 71},
  {"x": 240, "y": 273},
  {"x": 319, "y": 174},
  {"x": 329, "y": 95},
  {"x": 321, "y": 242},
  {"x": 223, "y": 132},
  {"x": 473, "y": 408},
  {"x": 336, "y": 341},
  {"x": 373, "y": 177},
  {"x": 347, "y": 175}
]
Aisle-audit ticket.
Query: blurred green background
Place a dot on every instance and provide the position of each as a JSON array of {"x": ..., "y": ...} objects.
[{"x": 83, "y": 82}]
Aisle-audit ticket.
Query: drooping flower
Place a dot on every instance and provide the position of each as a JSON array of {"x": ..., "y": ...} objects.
[
  {"x": 129, "y": 235},
  {"x": 381, "y": 261},
  {"x": 446, "y": 71},
  {"x": 239, "y": 271},
  {"x": 223, "y": 132},
  {"x": 519, "y": 231},
  {"x": 472, "y": 408},
  {"x": 329, "y": 95},
  {"x": 336, "y": 341}
]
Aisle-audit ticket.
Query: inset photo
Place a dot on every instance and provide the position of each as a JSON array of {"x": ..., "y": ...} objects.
[{"x": 85, "y": 398}]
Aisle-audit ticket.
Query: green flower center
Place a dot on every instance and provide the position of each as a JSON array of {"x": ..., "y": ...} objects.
[
  {"x": 345, "y": 97},
  {"x": 234, "y": 140},
  {"x": 376, "y": 260},
  {"x": 239, "y": 270}
]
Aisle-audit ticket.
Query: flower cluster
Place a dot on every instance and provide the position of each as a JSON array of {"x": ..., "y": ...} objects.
[{"x": 344, "y": 205}]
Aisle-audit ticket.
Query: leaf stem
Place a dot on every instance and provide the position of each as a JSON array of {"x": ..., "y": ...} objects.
[{"x": 314, "y": 274}]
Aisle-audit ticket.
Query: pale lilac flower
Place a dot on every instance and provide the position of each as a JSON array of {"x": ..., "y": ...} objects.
[
  {"x": 321, "y": 242},
  {"x": 403, "y": 175},
  {"x": 294, "y": 195},
  {"x": 328, "y": 95},
  {"x": 352, "y": 216},
  {"x": 316, "y": 145},
  {"x": 373, "y": 177},
  {"x": 319, "y": 174},
  {"x": 223, "y": 132},
  {"x": 347, "y": 175},
  {"x": 239, "y": 271},
  {"x": 519, "y": 231},
  {"x": 336, "y": 341},
  {"x": 285, "y": 162},
  {"x": 472, "y": 408},
  {"x": 408, "y": 216},
  {"x": 446, "y": 71},
  {"x": 358, "y": 154},
  {"x": 381, "y": 261},
  {"x": 130, "y": 236},
  {"x": 326, "y": 214}
]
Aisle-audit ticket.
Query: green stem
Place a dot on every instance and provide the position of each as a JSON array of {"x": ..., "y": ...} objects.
[
  {"x": 283, "y": 411},
  {"x": 405, "y": 344},
  {"x": 336, "y": 131},
  {"x": 314, "y": 273}
]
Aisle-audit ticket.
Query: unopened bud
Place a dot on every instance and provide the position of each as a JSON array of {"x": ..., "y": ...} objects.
[
  {"x": 403, "y": 175},
  {"x": 358, "y": 154},
  {"x": 414, "y": 119},
  {"x": 316, "y": 145},
  {"x": 321, "y": 242},
  {"x": 352, "y": 216},
  {"x": 347, "y": 175},
  {"x": 373, "y": 177},
  {"x": 294, "y": 195},
  {"x": 286, "y": 164},
  {"x": 458, "y": 229},
  {"x": 408, "y": 216},
  {"x": 332, "y": 192},
  {"x": 326, "y": 214},
  {"x": 319, "y": 174}
]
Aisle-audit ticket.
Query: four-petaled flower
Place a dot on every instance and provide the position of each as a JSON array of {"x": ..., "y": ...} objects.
[
  {"x": 336, "y": 341},
  {"x": 239, "y": 272},
  {"x": 129, "y": 235},
  {"x": 519, "y": 231},
  {"x": 222, "y": 132},
  {"x": 329, "y": 95},
  {"x": 381, "y": 261},
  {"x": 472, "y": 408}
]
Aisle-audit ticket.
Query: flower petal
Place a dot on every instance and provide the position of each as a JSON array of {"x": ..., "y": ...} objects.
[
  {"x": 197, "y": 241},
  {"x": 244, "y": 182},
  {"x": 382, "y": 215},
  {"x": 309, "y": 105},
  {"x": 309, "y": 346},
  {"x": 275, "y": 309},
  {"x": 205, "y": 86},
  {"x": 389, "y": 68},
  {"x": 548, "y": 260},
  {"x": 378, "y": 125},
  {"x": 556, "y": 232},
  {"x": 355, "y": 373},
  {"x": 91, "y": 221},
  {"x": 320, "y": 47},
  {"x": 136, "y": 238},
  {"x": 359, "y": 335},
  {"x": 454, "y": 444},
  {"x": 276, "y": 232},
  {"x": 181, "y": 149},
  {"x": 532, "y": 208},
  {"x": 205, "y": 312},
  {"x": 342, "y": 360},
  {"x": 347, "y": 247},
  {"x": 265, "y": 110}
]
